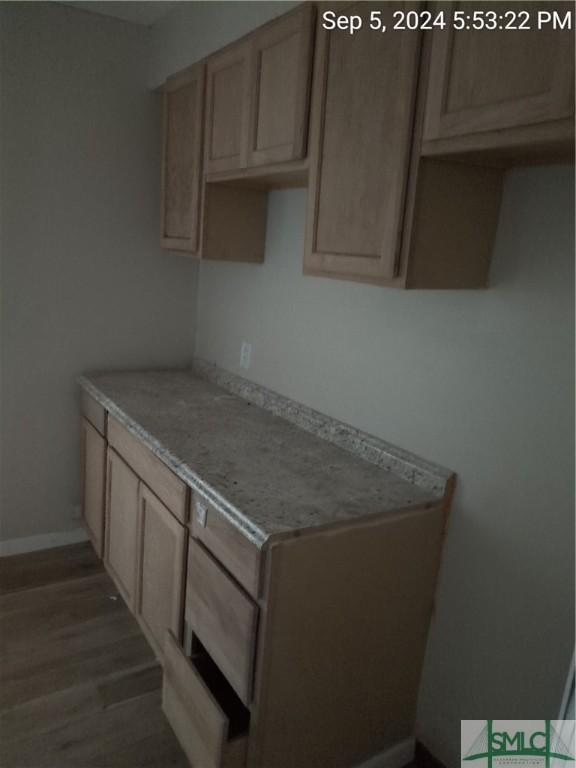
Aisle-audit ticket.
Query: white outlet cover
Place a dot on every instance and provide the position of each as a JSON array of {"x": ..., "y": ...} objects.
[{"x": 245, "y": 354}]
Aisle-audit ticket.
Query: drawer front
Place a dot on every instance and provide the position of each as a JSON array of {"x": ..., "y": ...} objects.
[
  {"x": 240, "y": 556},
  {"x": 223, "y": 618},
  {"x": 169, "y": 488},
  {"x": 94, "y": 413},
  {"x": 195, "y": 714}
]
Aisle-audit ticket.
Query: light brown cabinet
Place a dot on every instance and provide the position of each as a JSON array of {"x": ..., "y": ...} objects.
[
  {"x": 146, "y": 540},
  {"x": 270, "y": 647},
  {"x": 121, "y": 554},
  {"x": 363, "y": 103},
  {"x": 500, "y": 87},
  {"x": 227, "y": 108},
  {"x": 257, "y": 96},
  {"x": 93, "y": 452},
  {"x": 281, "y": 57},
  {"x": 161, "y": 564},
  {"x": 182, "y": 160},
  {"x": 402, "y": 140}
]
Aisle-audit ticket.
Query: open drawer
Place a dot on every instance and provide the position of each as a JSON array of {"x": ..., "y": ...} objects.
[{"x": 207, "y": 716}]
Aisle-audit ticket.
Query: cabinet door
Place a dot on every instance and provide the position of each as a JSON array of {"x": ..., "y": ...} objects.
[
  {"x": 182, "y": 160},
  {"x": 162, "y": 543},
  {"x": 281, "y": 69},
  {"x": 490, "y": 80},
  {"x": 93, "y": 484},
  {"x": 227, "y": 108},
  {"x": 363, "y": 104},
  {"x": 122, "y": 526}
]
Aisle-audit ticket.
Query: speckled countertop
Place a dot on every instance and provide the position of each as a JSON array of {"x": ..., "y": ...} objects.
[{"x": 265, "y": 474}]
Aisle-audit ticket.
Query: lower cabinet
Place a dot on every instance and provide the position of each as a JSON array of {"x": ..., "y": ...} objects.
[
  {"x": 162, "y": 550},
  {"x": 306, "y": 652},
  {"x": 145, "y": 553},
  {"x": 93, "y": 483},
  {"x": 120, "y": 554}
]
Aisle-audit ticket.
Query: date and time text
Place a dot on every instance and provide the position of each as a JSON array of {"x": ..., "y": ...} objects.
[{"x": 481, "y": 20}]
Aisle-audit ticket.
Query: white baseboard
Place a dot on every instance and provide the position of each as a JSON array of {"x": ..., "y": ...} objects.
[
  {"x": 394, "y": 757},
  {"x": 43, "y": 541}
]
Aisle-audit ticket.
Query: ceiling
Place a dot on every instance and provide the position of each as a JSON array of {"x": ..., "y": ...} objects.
[{"x": 144, "y": 12}]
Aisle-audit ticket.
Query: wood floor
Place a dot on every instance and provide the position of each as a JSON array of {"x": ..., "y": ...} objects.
[{"x": 79, "y": 685}]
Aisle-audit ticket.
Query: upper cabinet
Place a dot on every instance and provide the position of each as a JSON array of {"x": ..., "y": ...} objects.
[
  {"x": 400, "y": 118},
  {"x": 500, "y": 87},
  {"x": 182, "y": 160},
  {"x": 362, "y": 119},
  {"x": 227, "y": 108},
  {"x": 281, "y": 63},
  {"x": 257, "y": 96}
]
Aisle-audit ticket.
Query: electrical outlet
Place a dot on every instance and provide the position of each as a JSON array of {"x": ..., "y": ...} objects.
[{"x": 245, "y": 355}]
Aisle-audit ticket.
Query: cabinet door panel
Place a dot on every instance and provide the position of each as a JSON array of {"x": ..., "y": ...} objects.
[
  {"x": 363, "y": 104},
  {"x": 93, "y": 490},
  {"x": 162, "y": 542},
  {"x": 227, "y": 76},
  {"x": 492, "y": 80},
  {"x": 281, "y": 68},
  {"x": 182, "y": 160},
  {"x": 122, "y": 526}
]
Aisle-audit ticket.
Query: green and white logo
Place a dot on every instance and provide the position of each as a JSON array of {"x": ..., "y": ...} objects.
[{"x": 517, "y": 743}]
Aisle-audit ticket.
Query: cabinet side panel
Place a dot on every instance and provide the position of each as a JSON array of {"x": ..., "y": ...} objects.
[
  {"x": 94, "y": 459},
  {"x": 342, "y": 641},
  {"x": 180, "y": 166},
  {"x": 182, "y": 160},
  {"x": 453, "y": 224}
]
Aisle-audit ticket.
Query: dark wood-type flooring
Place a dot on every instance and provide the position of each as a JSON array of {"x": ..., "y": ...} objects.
[{"x": 79, "y": 684}]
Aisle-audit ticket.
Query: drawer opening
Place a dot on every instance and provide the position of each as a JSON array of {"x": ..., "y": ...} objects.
[{"x": 237, "y": 714}]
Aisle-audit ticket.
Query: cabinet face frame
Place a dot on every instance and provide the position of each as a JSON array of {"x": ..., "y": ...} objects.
[
  {"x": 554, "y": 104},
  {"x": 298, "y": 24},
  {"x": 148, "y": 505},
  {"x": 382, "y": 266},
  {"x": 195, "y": 76},
  {"x": 115, "y": 463},
  {"x": 235, "y": 55},
  {"x": 93, "y": 459}
]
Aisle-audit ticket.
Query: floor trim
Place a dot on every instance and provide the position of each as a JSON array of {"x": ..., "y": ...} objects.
[
  {"x": 395, "y": 757},
  {"x": 43, "y": 541}
]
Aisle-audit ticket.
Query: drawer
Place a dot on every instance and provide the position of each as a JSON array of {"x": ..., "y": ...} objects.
[
  {"x": 169, "y": 488},
  {"x": 240, "y": 556},
  {"x": 207, "y": 717},
  {"x": 222, "y": 617},
  {"x": 94, "y": 412}
]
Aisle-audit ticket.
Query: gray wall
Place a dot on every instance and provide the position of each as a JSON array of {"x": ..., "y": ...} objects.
[
  {"x": 480, "y": 381},
  {"x": 84, "y": 283}
]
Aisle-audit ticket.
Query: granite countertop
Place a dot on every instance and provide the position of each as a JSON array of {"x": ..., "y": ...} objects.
[{"x": 267, "y": 475}]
